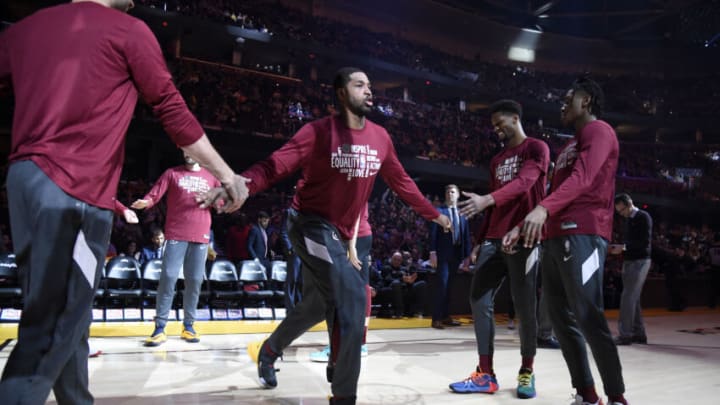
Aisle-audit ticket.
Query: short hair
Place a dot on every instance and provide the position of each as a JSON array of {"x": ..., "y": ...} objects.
[
  {"x": 506, "y": 107},
  {"x": 449, "y": 186},
  {"x": 591, "y": 88},
  {"x": 342, "y": 76},
  {"x": 262, "y": 215},
  {"x": 155, "y": 231},
  {"x": 623, "y": 198}
]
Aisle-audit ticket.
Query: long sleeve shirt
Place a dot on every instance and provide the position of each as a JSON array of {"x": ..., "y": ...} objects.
[
  {"x": 185, "y": 220},
  {"x": 76, "y": 72},
  {"x": 638, "y": 236},
  {"x": 581, "y": 199},
  {"x": 517, "y": 182},
  {"x": 339, "y": 167}
]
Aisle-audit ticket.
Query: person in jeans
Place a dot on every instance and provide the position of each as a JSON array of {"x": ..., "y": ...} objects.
[
  {"x": 187, "y": 229},
  {"x": 636, "y": 264}
]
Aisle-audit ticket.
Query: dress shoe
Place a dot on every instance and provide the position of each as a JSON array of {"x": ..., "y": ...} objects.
[
  {"x": 640, "y": 339},
  {"x": 437, "y": 325},
  {"x": 622, "y": 340},
  {"x": 450, "y": 322}
]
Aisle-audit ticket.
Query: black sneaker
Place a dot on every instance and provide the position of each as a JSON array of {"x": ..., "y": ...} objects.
[
  {"x": 640, "y": 339},
  {"x": 343, "y": 401},
  {"x": 549, "y": 343},
  {"x": 265, "y": 358}
]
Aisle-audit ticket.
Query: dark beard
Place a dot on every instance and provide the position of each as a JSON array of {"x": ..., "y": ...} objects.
[{"x": 360, "y": 110}]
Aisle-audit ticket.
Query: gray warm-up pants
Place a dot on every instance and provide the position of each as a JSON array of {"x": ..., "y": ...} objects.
[
  {"x": 572, "y": 271},
  {"x": 190, "y": 257},
  {"x": 60, "y": 246},
  {"x": 492, "y": 266}
]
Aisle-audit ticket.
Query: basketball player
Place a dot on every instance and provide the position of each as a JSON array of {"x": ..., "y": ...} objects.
[
  {"x": 579, "y": 216},
  {"x": 517, "y": 184},
  {"x": 77, "y": 70},
  {"x": 340, "y": 157}
]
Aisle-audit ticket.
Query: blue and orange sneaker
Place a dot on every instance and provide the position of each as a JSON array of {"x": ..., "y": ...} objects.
[{"x": 477, "y": 382}]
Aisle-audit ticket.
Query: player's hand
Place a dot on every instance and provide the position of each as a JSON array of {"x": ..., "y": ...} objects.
[
  {"x": 533, "y": 226},
  {"x": 237, "y": 192},
  {"x": 510, "y": 240},
  {"x": 444, "y": 222},
  {"x": 474, "y": 254},
  {"x": 215, "y": 197},
  {"x": 475, "y": 204},
  {"x": 433, "y": 260},
  {"x": 130, "y": 217},
  {"x": 140, "y": 204},
  {"x": 353, "y": 255}
]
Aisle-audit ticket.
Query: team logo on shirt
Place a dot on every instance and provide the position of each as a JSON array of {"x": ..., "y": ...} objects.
[
  {"x": 567, "y": 156},
  {"x": 355, "y": 161},
  {"x": 508, "y": 169},
  {"x": 194, "y": 184}
]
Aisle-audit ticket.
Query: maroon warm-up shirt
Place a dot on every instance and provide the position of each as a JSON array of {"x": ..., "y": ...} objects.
[
  {"x": 185, "y": 220},
  {"x": 518, "y": 177},
  {"x": 76, "y": 71},
  {"x": 583, "y": 186},
  {"x": 339, "y": 166}
]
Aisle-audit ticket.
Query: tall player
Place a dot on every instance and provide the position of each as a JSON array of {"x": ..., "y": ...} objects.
[{"x": 579, "y": 216}]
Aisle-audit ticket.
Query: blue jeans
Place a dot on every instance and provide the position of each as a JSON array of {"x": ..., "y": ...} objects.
[{"x": 190, "y": 257}]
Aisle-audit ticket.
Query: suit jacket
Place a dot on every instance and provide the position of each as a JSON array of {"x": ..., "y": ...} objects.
[
  {"x": 256, "y": 243},
  {"x": 442, "y": 242}
]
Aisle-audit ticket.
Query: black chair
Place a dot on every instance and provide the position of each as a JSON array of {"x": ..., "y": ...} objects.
[
  {"x": 278, "y": 275},
  {"x": 253, "y": 278},
  {"x": 10, "y": 291},
  {"x": 224, "y": 289},
  {"x": 123, "y": 286},
  {"x": 150, "y": 278}
]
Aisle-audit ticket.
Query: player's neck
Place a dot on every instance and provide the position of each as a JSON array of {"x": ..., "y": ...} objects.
[
  {"x": 584, "y": 120},
  {"x": 517, "y": 139},
  {"x": 353, "y": 121},
  {"x": 195, "y": 167}
]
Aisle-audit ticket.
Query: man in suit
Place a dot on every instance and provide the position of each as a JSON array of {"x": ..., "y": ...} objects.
[
  {"x": 258, "y": 240},
  {"x": 450, "y": 251},
  {"x": 156, "y": 250}
]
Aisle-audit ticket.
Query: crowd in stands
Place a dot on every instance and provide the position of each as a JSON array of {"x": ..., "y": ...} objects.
[
  {"x": 635, "y": 93},
  {"x": 236, "y": 100}
]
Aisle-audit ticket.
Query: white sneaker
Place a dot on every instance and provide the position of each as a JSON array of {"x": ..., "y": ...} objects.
[
  {"x": 93, "y": 351},
  {"x": 579, "y": 401}
]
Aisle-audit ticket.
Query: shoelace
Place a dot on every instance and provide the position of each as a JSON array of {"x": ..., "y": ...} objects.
[{"x": 525, "y": 379}]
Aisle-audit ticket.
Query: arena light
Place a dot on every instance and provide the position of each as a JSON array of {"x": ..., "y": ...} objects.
[
  {"x": 519, "y": 54},
  {"x": 523, "y": 48}
]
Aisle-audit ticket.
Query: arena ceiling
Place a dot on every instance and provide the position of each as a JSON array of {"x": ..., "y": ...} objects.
[{"x": 631, "y": 22}]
